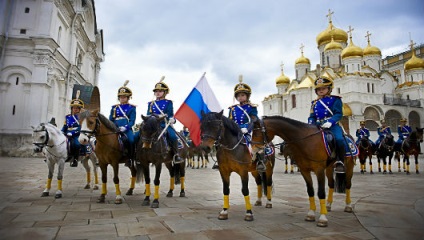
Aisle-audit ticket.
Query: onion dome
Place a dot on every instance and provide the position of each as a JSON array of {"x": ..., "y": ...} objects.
[
  {"x": 325, "y": 36},
  {"x": 282, "y": 79},
  {"x": 371, "y": 50},
  {"x": 352, "y": 50},
  {"x": 414, "y": 62},
  {"x": 302, "y": 59},
  {"x": 333, "y": 45}
]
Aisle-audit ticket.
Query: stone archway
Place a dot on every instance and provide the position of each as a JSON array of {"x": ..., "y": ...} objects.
[
  {"x": 392, "y": 118},
  {"x": 414, "y": 119}
]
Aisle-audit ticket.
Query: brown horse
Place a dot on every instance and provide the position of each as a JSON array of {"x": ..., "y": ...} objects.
[
  {"x": 365, "y": 151},
  {"x": 154, "y": 149},
  {"x": 108, "y": 149},
  {"x": 201, "y": 153},
  {"x": 385, "y": 150},
  {"x": 308, "y": 149},
  {"x": 411, "y": 146},
  {"x": 233, "y": 156},
  {"x": 285, "y": 152}
]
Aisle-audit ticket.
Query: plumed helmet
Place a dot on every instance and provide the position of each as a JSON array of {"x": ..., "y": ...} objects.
[
  {"x": 161, "y": 86},
  {"x": 403, "y": 120},
  {"x": 362, "y": 122},
  {"x": 77, "y": 102},
  {"x": 382, "y": 121},
  {"x": 242, "y": 87},
  {"x": 124, "y": 90},
  {"x": 323, "y": 82}
]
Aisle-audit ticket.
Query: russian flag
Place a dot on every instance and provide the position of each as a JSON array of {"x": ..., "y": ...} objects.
[{"x": 200, "y": 98}]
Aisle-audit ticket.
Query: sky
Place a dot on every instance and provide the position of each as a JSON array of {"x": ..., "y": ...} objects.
[{"x": 181, "y": 39}]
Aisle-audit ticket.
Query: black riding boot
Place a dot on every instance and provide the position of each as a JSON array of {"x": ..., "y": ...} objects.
[
  {"x": 339, "y": 165},
  {"x": 177, "y": 159},
  {"x": 260, "y": 162},
  {"x": 74, "y": 162},
  {"x": 130, "y": 156}
]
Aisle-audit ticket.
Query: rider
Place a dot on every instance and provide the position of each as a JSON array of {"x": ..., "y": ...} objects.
[
  {"x": 403, "y": 130},
  {"x": 326, "y": 112},
  {"x": 382, "y": 132},
  {"x": 244, "y": 114},
  {"x": 71, "y": 129},
  {"x": 123, "y": 115},
  {"x": 363, "y": 132},
  {"x": 163, "y": 106}
]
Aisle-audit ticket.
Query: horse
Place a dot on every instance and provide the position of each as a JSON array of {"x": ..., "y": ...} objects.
[
  {"x": 49, "y": 140},
  {"x": 309, "y": 151},
  {"x": 285, "y": 152},
  {"x": 108, "y": 150},
  {"x": 154, "y": 149},
  {"x": 411, "y": 146},
  {"x": 90, "y": 155},
  {"x": 385, "y": 149},
  {"x": 201, "y": 153},
  {"x": 365, "y": 151},
  {"x": 234, "y": 156}
]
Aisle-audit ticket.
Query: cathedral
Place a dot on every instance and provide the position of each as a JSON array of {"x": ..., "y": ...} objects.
[
  {"x": 47, "y": 48},
  {"x": 372, "y": 88}
]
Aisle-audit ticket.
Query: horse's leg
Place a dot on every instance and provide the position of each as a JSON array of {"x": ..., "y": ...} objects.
[
  {"x": 171, "y": 180},
  {"x": 379, "y": 164},
  {"x": 245, "y": 191},
  {"x": 60, "y": 167},
  {"x": 258, "y": 181},
  {"x": 397, "y": 156},
  {"x": 406, "y": 161},
  {"x": 390, "y": 164},
  {"x": 363, "y": 163},
  {"x": 156, "y": 181},
  {"x": 322, "y": 221},
  {"x": 384, "y": 165},
  {"x": 225, "y": 176},
  {"x": 329, "y": 171},
  {"x": 268, "y": 181},
  {"x": 118, "y": 198},
  {"x": 87, "y": 171},
  {"x": 370, "y": 162},
  {"x": 50, "y": 166},
  {"x": 133, "y": 170},
  {"x": 310, "y": 217},
  {"x": 103, "y": 168},
  {"x": 146, "y": 171},
  {"x": 94, "y": 163},
  {"x": 349, "y": 174},
  {"x": 286, "y": 166},
  {"x": 416, "y": 163}
]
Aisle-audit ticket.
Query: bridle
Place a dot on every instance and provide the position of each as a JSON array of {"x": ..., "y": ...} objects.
[
  {"x": 217, "y": 139},
  {"x": 154, "y": 137},
  {"x": 44, "y": 144},
  {"x": 92, "y": 133}
]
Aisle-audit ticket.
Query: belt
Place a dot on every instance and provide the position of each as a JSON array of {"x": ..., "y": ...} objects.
[
  {"x": 322, "y": 120},
  {"x": 120, "y": 118},
  {"x": 71, "y": 129}
]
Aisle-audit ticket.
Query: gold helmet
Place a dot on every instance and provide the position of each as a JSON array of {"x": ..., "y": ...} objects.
[
  {"x": 242, "y": 87},
  {"x": 323, "y": 82},
  {"x": 77, "y": 102},
  {"x": 124, "y": 90},
  {"x": 362, "y": 122},
  {"x": 161, "y": 86},
  {"x": 382, "y": 121},
  {"x": 403, "y": 120}
]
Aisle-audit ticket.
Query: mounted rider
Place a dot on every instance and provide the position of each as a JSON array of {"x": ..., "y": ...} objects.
[
  {"x": 163, "y": 106},
  {"x": 71, "y": 129},
  {"x": 326, "y": 112},
  {"x": 124, "y": 115},
  {"x": 382, "y": 131},
  {"x": 363, "y": 132}
]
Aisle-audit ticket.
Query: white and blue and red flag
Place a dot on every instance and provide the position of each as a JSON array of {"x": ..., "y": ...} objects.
[{"x": 200, "y": 98}]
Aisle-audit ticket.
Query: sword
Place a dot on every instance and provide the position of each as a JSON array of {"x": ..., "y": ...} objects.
[{"x": 164, "y": 130}]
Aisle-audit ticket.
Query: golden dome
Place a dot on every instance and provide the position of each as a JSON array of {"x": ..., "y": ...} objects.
[
  {"x": 325, "y": 36},
  {"x": 371, "y": 50},
  {"x": 347, "y": 111},
  {"x": 352, "y": 50},
  {"x": 333, "y": 46},
  {"x": 282, "y": 79},
  {"x": 302, "y": 59},
  {"x": 414, "y": 62}
]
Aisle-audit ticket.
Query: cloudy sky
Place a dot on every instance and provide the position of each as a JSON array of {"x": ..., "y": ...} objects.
[{"x": 182, "y": 39}]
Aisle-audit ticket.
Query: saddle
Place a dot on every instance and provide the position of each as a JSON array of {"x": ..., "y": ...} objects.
[
  {"x": 330, "y": 144},
  {"x": 124, "y": 144}
]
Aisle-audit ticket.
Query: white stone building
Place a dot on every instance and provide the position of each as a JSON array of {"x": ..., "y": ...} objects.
[
  {"x": 372, "y": 88},
  {"x": 46, "y": 48}
]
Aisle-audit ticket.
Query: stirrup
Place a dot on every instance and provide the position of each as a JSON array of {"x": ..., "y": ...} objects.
[
  {"x": 174, "y": 159},
  {"x": 260, "y": 166},
  {"x": 339, "y": 167}
]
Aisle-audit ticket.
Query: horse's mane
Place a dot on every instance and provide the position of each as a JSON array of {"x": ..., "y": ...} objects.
[
  {"x": 230, "y": 125},
  {"x": 289, "y": 120},
  {"x": 150, "y": 124},
  {"x": 53, "y": 127},
  {"x": 104, "y": 120}
]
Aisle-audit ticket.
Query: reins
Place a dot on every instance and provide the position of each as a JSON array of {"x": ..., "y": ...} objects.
[
  {"x": 42, "y": 145},
  {"x": 217, "y": 139}
]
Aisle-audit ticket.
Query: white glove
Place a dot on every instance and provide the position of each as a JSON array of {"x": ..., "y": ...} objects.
[
  {"x": 69, "y": 134},
  {"x": 326, "y": 125},
  {"x": 244, "y": 130},
  {"x": 172, "y": 120},
  {"x": 122, "y": 129}
]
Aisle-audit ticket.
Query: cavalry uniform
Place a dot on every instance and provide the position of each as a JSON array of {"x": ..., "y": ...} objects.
[
  {"x": 382, "y": 132},
  {"x": 403, "y": 131},
  {"x": 124, "y": 115},
  {"x": 363, "y": 132},
  {"x": 71, "y": 129},
  {"x": 328, "y": 111}
]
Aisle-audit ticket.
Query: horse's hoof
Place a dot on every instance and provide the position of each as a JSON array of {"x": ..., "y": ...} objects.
[
  {"x": 258, "y": 203},
  {"x": 101, "y": 199},
  {"x": 348, "y": 209},
  {"x": 45, "y": 194},
  {"x": 155, "y": 205},
  {"x": 322, "y": 223},
  {"x": 408, "y": 173},
  {"x": 310, "y": 218},
  {"x": 58, "y": 195},
  {"x": 192, "y": 167},
  {"x": 390, "y": 172},
  {"x": 248, "y": 217},
  {"x": 130, "y": 192},
  {"x": 328, "y": 208},
  {"x": 118, "y": 201},
  {"x": 399, "y": 170},
  {"x": 417, "y": 172},
  {"x": 384, "y": 172},
  {"x": 170, "y": 194},
  {"x": 87, "y": 186},
  {"x": 268, "y": 205},
  {"x": 197, "y": 167},
  {"x": 145, "y": 203},
  {"x": 371, "y": 172},
  {"x": 362, "y": 171},
  {"x": 223, "y": 216},
  {"x": 96, "y": 187},
  {"x": 182, "y": 194},
  {"x": 286, "y": 172},
  {"x": 291, "y": 172}
]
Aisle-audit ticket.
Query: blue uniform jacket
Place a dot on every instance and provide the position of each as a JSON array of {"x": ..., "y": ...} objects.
[
  {"x": 319, "y": 113},
  {"x": 362, "y": 132},
  {"x": 118, "y": 117},
  {"x": 404, "y": 132},
  {"x": 165, "y": 107},
  {"x": 240, "y": 117},
  {"x": 71, "y": 125}
]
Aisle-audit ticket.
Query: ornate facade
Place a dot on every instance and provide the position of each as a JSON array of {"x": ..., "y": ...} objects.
[
  {"x": 46, "y": 48},
  {"x": 372, "y": 88}
]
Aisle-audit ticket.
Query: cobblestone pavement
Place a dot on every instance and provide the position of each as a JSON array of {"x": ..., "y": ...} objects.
[{"x": 385, "y": 207}]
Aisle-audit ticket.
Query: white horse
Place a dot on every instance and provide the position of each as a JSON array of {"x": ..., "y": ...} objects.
[
  {"x": 49, "y": 140},
  {"x": 90, "y": 155}
]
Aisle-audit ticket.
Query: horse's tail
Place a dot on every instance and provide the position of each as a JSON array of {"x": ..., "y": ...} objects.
[
  {"x": 177, "y": 174},
  {"x": 139, "y": 176},
  {"x": 340, "y": 183}
]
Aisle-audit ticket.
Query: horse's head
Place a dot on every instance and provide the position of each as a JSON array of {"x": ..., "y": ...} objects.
[
  {"x": 420, "y": 134},
  {"x": 150, "y": 129},
  {"x": 211, "y": 128},
  {"x": 47, "y": 135},
  {"x": 364, "y": 142},
  {"x": 388, "y": 142},
  {"x": 40, "y": 137},
  {"x": 89, "y": 122}
]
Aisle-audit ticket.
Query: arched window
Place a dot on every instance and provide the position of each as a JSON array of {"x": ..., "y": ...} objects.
[
  {"x": 293, "y": 101},
  {"x": 59, "y": 34}
]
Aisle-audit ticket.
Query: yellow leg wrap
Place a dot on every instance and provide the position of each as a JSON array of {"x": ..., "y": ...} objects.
[
  {"x": 287, "y": 167},
  {"x": 226, "y": 201},
  {"x": 49, "y": 183},
  {"x": 117, "y": 189},
  {"x": 390, "y": 167},
  {"x": 322, "y": 206},
  {"x": 362, "y": 166},
  {"x": 156, "y": 195},
  {"x": 404, "y": 165},
  {"x": 182, "y": 182},
  {"x": 269, "y": 192},
  {"x": 259, "y": 191},
  {"x": 59, "y": 185},
  {"x": 148, "y": 193},
  {"x": 330, "y": 195},
  {"x": 132, "y": 182},
  {"x": 291, "y": 168},
  {"x": 416, "y": 167},
  {"x": 172, "y": 183},
  {"x": 407, "y": 168},
  {"x": 96, "y": 178},
  {"x": 88, "y": 177},
  {"x": 348, "y": 201},
  {"x": 312, "y": 205},
  {"x": 379, "y": 165},
  {"x": 384, "y": 167},
  {"x": 104, "y": 188},
  {"x": 370, "y": 168},
  {"x": 247, "y": 203}
]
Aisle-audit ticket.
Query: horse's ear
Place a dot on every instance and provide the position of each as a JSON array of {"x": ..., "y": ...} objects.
[
  {"x": 143, "y": 117},
  {"x": 95, "y": 112},
  {"x": 220, "y": 114}
]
